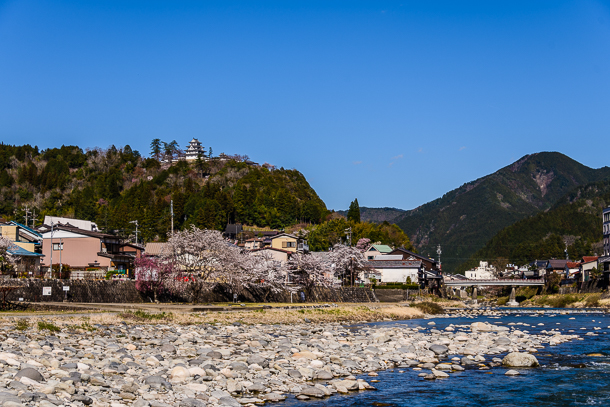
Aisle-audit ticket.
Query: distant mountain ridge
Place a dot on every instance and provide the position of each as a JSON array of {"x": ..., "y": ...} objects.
[
  {"x": 574, "y": 219},
  {"x": 377, "y": 215},
  {"x": 463, "y": 220}
]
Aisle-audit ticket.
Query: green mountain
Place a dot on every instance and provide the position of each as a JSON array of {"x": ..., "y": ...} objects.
[
  {"x": 116, "y": 186},
  {"x": 465, "y": 219},
  {"x": 575, "y": 219},
  {"x": 377, "y": 215}
]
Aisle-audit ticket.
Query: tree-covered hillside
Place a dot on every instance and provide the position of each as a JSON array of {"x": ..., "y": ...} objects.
[
  {"x": 377, "y": 215},
  {"x": 465, "y": 219},
  {"x": 115, "y": 186},
  {"x": 575, "y": 219}
]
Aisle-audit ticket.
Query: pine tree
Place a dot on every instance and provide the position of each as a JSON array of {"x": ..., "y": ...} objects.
[
  {"x": 155, "y": 148},
  {"x": 353, "y": 213}
]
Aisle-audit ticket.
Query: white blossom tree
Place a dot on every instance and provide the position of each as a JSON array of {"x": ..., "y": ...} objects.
[
  {"x": 308, "y": 271},
  {"x": 347, "y": 262},
  {"x": 7, "y": 260}
]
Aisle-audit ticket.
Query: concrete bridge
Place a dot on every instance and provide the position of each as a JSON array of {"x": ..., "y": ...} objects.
[{"x": 512, "y": 302}]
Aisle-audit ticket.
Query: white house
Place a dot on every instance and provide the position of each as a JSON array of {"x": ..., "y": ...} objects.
[
  {"x": 394, "y": 271},
  {"x": 483, "y": 272},
  {"x": 376, "y": 250}
]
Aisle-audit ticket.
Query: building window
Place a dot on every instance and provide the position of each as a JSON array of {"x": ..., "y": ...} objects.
[
  {"x": 58, "y": 246},
  {"x": 289, "y": 244}
]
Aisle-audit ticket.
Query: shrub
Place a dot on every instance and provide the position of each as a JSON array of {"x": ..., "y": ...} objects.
[
  {"x": 593, "y": 300},
  {"x": 22, "y": 325},
  {"x": 42, "y": 325},
  {"x": 429, "y": 308},
  {"x": 502, "y": 301}
]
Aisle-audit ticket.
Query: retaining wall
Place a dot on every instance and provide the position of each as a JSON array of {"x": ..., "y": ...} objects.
[{"x": 88, "y": 291}]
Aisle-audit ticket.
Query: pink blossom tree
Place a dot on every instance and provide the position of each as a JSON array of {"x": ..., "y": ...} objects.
[
  {"x": 7, "y": 260},
  {"x": 154, "y": 275},
  {"x": 308, "y": 271},
  {"x": 363, "y": 244}
]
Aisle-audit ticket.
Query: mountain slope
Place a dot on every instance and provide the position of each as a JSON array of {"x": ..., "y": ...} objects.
[
  {"x": 575, "y": 218},
  {"x": 116, "y": 186},
  {"x": 464, "y": 219},
  {"x": 377, "y": 215}
]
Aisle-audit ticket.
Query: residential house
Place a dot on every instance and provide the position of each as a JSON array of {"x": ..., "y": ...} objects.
[
  {"x": 376, "y": 250},
  {"x": 485, "y": 271},
  {"x": 154, "y": 248},
  {"x": 429, "y": 264},
  {"x": 280, "y": 255},
  {"x": 604, "y": 260},
  {"x": 75, "y": 223},
  {"x": 26, "y": 248},
  {"x": 254, "y": 243},
  {"x": 86, "y": 250},
  {"x": 394, "y": 271},
  {"x": 572, "y": 270},
  {"x": 556, "y": 266},
  {"x": 291, "y": 243}
]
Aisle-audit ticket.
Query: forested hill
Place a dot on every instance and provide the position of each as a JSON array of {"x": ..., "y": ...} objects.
[
  {"x": 575, "y": 219},
  {"x": 115, "y": 186},
  {"x": 465, "y": 219},
  {"x": 377, "y": 215}
]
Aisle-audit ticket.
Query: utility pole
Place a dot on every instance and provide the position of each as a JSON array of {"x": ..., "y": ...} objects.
[
  {"x": 566, "y": 252},
  {"x": 34, "y": 219},
  {"x": 136, "y": 222},
  {"x": 61, "y": 249},
  {"x": 27, "y": 213},
  {"x": 348, "y": 232},
  {"x": 439, "y": 251},
  {"x": 51, "y": 268},
  {"x": 171, "y": 209}
]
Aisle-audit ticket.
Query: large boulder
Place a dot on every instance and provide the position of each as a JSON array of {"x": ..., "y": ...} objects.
[
  {"x": 519, "y": 359},
  {"x": 30, "y": 374},
  {"x": 439, "y": 349}
]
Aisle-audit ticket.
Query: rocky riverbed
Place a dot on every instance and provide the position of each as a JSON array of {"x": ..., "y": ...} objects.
[{"x": 231, "y": 365}]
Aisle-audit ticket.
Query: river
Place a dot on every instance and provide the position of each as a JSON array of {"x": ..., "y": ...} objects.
[{"x": 570, "y": 374}]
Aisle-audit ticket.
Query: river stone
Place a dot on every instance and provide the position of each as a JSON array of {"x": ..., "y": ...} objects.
[
  {"x": 190, "y": 402},
  {"x": 502, "y": 341},
  {"x": 30, "y": 374},
  {"x": 84, "y": 399},
  {"x": 467, "y": 362},
  {"x": 258, "y": 360},
  {"x": 519, "y": 359},
  {"x": 323, "y": 375},
  {"x": 312, "y": 391},
  {"x": 168, "y": 347},
  {"x": 439, "y": 349},
  {"x": 481, "y": 326},
  {"x": 228, "y": 401},
  {"x": 512, "y": 373}
]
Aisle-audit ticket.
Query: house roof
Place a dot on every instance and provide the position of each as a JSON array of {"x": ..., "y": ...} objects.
[
  {"x": 572, "y": 265},
  {"x": 381, "y": 248},
  {"x": 84, "y": 232},
  {"x": 20, "y": 251},
  {"x": 284, "y": 235},
  {"x": 30, "y": 230},
  {"x": 589, "y": 259},
  {"x": 417, "y": 256},
  {"x": 393, "y": 264},
  {"x": 556, "y": 264},
  {"x": 154, "y": 249}
]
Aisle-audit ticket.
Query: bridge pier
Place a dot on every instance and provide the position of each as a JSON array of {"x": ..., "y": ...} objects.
[
  {"x": 512, "y": 301},
  {"x": 474, "y": 294}
]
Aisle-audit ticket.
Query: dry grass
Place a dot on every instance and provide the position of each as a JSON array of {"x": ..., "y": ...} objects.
[{"x": 352, "y": 313}]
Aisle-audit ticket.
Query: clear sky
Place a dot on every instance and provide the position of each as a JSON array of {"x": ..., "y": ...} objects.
[{"x": 392, "y": 102}]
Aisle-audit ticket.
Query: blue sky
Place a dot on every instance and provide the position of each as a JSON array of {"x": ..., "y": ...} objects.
[{"x": 394, "y": 103}]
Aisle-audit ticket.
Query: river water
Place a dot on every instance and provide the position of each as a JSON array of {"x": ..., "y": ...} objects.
[{"x": 569, "y": 375}]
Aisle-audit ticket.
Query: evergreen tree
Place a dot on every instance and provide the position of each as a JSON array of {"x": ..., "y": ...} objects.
[{"x": 353, "y": 213}]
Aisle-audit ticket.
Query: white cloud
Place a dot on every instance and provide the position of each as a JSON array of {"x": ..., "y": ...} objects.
[
  {"x": 398, "y": 157},
  {"x": 357, "y": 162},
  {"x": 462, "y": 148}
]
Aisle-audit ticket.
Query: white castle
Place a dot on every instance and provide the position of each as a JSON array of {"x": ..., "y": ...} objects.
[{"x": 194, "y": 149}]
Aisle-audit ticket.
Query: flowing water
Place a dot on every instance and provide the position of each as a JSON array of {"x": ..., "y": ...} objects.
[{"x": 575, "y": 373}]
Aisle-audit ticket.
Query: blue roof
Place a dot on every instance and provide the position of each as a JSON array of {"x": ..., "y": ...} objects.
[
  {"x": 20, "y": 251},
  {"x": 26, "y": 228}
]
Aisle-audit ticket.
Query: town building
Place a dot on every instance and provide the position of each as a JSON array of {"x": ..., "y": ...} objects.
[
  {"x": 75, "y": 223},
  {"x": 484, "y": 272},
  {"x": 393, "y": 271},
  {"x": 26, "y": 248},
  {"x": 604, "y": 260},
  {"x": 254, "y": 243},
  {"x": 429, "y": 264},
  {"x": 87, "y": 251},
  {"x": 194, "y": 150},
  {"x": 279, "y": 255},
  {"x": 376, "y": 250},
  {"x": 291, "y": 243}
]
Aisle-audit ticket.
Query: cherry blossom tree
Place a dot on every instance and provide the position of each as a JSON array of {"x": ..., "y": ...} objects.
[
  {"x": 347, "y": 262},
  {"x": 155, "y": 275},
  {"x": 308, "y": 271},
  {"x": 7, "y": 260},
  {"x": 363, "y": 244}
]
